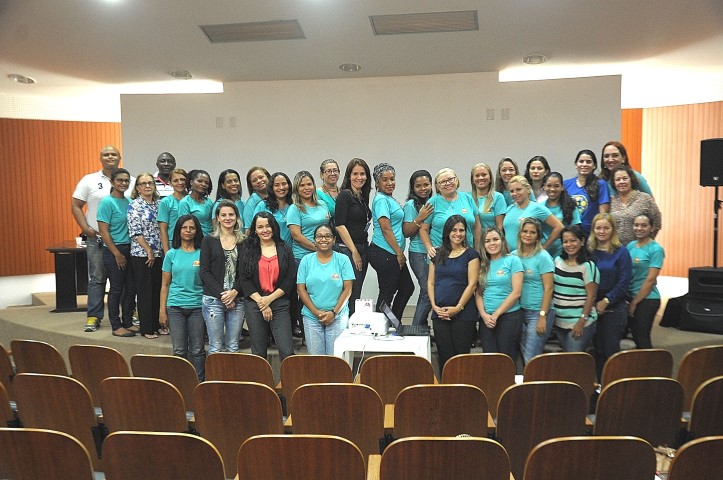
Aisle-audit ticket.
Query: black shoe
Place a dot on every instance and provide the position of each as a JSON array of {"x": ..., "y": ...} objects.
[{"x": 298, "y": 333}]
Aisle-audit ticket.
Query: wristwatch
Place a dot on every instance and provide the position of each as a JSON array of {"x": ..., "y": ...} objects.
[{"x": 543, "y": 313}]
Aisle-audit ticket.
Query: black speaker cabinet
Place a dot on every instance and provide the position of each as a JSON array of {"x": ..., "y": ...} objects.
[
  {"x": 702, "y": 316},
  {"x": 705, "y": 283},
  {"x": 711, "y": 162}
]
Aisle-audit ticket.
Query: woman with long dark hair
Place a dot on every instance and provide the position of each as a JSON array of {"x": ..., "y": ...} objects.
[
  {"x": 168, "y": 206},
  {"x": 614, "y": 154},
  {"x": 229, "y": 187},
  {"x": 535, "y": 170},
  {"x": 506, "y": 169},
  {"x": 589, "y": 192},
  {"x": 561, "y": 205},
  {"x": 277, "y": 202},
  {"x": 197, "y": 202},
  {"x": 257, "y": 179},
  {"x": 268, "y": 275}
]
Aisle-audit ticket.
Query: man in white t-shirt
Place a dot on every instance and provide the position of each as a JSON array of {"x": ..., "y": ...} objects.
[
  {"x": 88, "y": 193},
  {"x": 165, "y": 163}
]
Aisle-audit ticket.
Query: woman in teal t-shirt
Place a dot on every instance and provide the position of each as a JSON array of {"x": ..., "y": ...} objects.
[
  {"x": 328, "y": 191},
  {"x": 182, "y": 293}
]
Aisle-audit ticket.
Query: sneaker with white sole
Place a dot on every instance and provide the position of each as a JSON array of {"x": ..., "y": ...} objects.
[{"x": 92, "y": 324}]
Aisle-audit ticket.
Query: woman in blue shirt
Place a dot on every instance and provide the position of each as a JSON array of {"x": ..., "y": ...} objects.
[
  {"x": 524, "y": 207},
  {"x": 498, "y": 299},
  {"x": 561, "y": 206},
  {"x": 229, "y": 187},
  {"x": 328, "y": 191},
  {"x": 277, "y": 202},
  {"x": 257, "y": 178},
  {"x": 324, "y": 281},
  {"x": 613, "y": 261},
  {"x": 647, "y": 256},
  {"x": 615, "y": 154},
  {"x": 386, "y": 252},
  {"x": 589, "y": 192},
  {"x": 168, "y": 207},
  {"x": 197, "y": 202},
  {"x": 506, "y": 169},
  {"x": 491, "y": 203},
  {"x": 182, "y": 293}
]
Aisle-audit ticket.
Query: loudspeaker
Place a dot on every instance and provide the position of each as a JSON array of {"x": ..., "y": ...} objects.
[
  {"x": 702, "y": 316},
  {"x": 706, "y": 283},
  {"x": 711, "y": 162}
]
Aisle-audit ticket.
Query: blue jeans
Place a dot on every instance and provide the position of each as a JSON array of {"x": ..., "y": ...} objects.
[
  {"x": 419, "y": 263},
  {"x": 505, "y": 337},
  {"x": 218, "y": 318},
  {"x": 187, "y": 335},
  {"x": 320, "y": 338},
  {"x": 121, "y": 294},
  {"x": 570, "y": 344},
  {"x": 96, "y": 278},
  {"x": 611, "y": 327},
  {"x": 279, "y": 325},
  {"x": 532, "y": 344},
  {"x": 356, "y": 287}
]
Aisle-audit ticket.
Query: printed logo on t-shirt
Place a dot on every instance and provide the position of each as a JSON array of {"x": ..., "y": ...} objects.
[
  {"x": 501, "y": 272},
  {"x": 335, "y": 276},
  {"x": 196, "y": 263},
  {"x": 636, "y": 260},
  {"x": 581, "y": 202},
  {"x": 464, "y": 210}
]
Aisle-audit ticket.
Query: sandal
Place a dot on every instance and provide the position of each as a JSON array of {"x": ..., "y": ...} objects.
[
  {"x": 150, "y": 336},
  {"x": 127, "y": 333},
  {"x": 133, "y": 328},
  {"x": 163, "y": 331}
]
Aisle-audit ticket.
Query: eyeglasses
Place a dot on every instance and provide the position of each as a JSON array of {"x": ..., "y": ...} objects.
[
  {"x": 146, "y": 184},
  {"x": 447, "y": 181},
  {"x": 332, "y": 171},
  {"x": 122, "y": 180},
  {"x": 324, "y": 237}
]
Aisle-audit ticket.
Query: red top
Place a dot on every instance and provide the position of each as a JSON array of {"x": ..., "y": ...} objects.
[{"x": 268, "y": 273}]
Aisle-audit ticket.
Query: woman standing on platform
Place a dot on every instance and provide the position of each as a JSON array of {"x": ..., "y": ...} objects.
[
  {"x": 535, "y": 171},
  {"x": 561, "y": 206},
  {"x": 647, "y": 256},
  {"x": 197, "y": 202},
  {"x": 146, "y": 254},
  {"x": 491, "y": 203},
  {"x": 386, "y": 252},
  {"x": 229, "y": 187},
  {"x": 629, "y": 202},
  {"x": 506, "y": 169},
  {"x": 278, "y": 200},
  {"x": 353, "y": 218},
  {"x": 257, "y": 179},
  {"x": 613, "y": 261},
  {"x": 589, "y": 192},
  {"x": 498, "y": 298},
  {"x": 168, "y": 207},
  {"x": 328, "y": 191},
  {"x": 523, "y": 207},
  {"x": 537, "y": 285},
  {"x": 416, "y": 211},
  {"x": 268, "y": 275},
  {"x": 453, "y": 277},
  {"x": 324, "y": 282},
  {"x": 182, "y": 294},
  {"x": 576, "y": 283},
  {"x": 113, "y": 229},
  {"x": 614, "y": 154},
  {"x": 223, "y": 304}
]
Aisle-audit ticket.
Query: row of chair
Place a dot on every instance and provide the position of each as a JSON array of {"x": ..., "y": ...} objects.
[{"x": 27, "y": 454}]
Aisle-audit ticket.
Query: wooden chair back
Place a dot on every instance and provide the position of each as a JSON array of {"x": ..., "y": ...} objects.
[
  {"x": 490, "y": 372},
  {"x": 390, "y": 374},
  {"x": 348, "y": 410},
  {"x": 161, "y": 456},
  {"x": 7, "y": 417},
  {"x": 697, "y": 366},
  {"x": 698, "y": 460},
  {"x": 321, "y": 457},
  {"x": 445, "y": 410},
  {"x": 7, "y": 372},
  {"x": 298, "y": 370},
  {"x": 91, "y": 364},
  {"x": 647, "y": 362},
  {"x": 575, "y": 367},
  {"x": 532, "y": 412},
  {"x": 142, "y": 404},
  {"x": 239, "y": 367},
  {"x": 648, "y": 408},
  {"x": 442, "y": 458},
  {"x": 59, "y": 403},
  {"x": 591, "y": 458},
  {"x": 177, "y": 371},
  {"x": 706, "y": 416},
  {"x": 228, "y": 413},
  {"x": 32, "y": 356},
  {"x": 31, "y": 453}
]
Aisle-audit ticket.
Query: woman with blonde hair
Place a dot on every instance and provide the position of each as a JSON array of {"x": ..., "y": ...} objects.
[
  {"x": 491, "y": 203},
  {"x": 523, "y": 207}
]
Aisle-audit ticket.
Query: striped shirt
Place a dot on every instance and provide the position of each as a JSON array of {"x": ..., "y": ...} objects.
[{"x": 569, "y": 294}]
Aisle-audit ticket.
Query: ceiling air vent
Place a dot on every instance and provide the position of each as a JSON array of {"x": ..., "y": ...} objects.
[
  {"x": 425, "y": 22},
  {"x": 253, "y": 31}
]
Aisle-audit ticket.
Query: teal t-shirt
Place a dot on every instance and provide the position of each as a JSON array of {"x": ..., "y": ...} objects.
[
  {"x": 410, "y": 213},
  {"x": 307, "y": 220},
  {"x": 328, "y": 199},
  {"x": 280, "y": 217},
  {"x": 249, "y": 209},
  {"x": 325, "y": 281},
  {"x": 499, "y": 282},
  {"x": 532, "y": 287},
  {"x": 186, "y": 289},
  {"x": 114, "y": 212},
  {"x": 202, "y": 211},
  {"x": 168, "y": 213},
  {"x": 515, "y": 214},
  {"x": 644, "y": 258},
  {"x": 385, "y": 206},
  {"x": 498, "y": 206},
  {"x": 556, "y": 248},
  {"x": 463, "y": 205},
  {"x": 239, "y": 204}
]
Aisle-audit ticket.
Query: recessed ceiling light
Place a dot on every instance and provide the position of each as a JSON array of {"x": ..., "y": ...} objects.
[
  {"x": 349, "y": 67},
  {"x": 534, "y": 59},
  {"x": 181, "y": 74},
  {"x": 16, "y": 77}
]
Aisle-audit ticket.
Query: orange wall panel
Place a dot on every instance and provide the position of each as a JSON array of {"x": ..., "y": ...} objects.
[{"x": 631, "y": 135}]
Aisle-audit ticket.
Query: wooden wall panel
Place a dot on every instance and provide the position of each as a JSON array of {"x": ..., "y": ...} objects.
[
  {"x": 671, "y": 163},
  {"x": 42, "y": 161},
  {"x": 631, "y": 135}
]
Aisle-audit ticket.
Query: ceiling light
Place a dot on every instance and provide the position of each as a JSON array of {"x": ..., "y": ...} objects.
[
  {"x": 16, "y": 77},
  {"x": 534, "y": 59},
  {"x": 181, "y": 74},
  {"x": 349, "y": 67}
]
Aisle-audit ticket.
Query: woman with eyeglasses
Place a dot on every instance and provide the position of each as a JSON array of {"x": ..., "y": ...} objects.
[
  {"x": 449, "y": 201},
  {"x": 328, "y": 191},
  {"x": 324, "y": 282},
  {"x": 197, "y": 202},
  {"x": 168, "y": 207},
  {"x": 146, "y": 254}
]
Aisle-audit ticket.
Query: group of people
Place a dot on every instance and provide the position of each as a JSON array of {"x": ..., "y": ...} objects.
[{"x": 536, "y": 252}]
